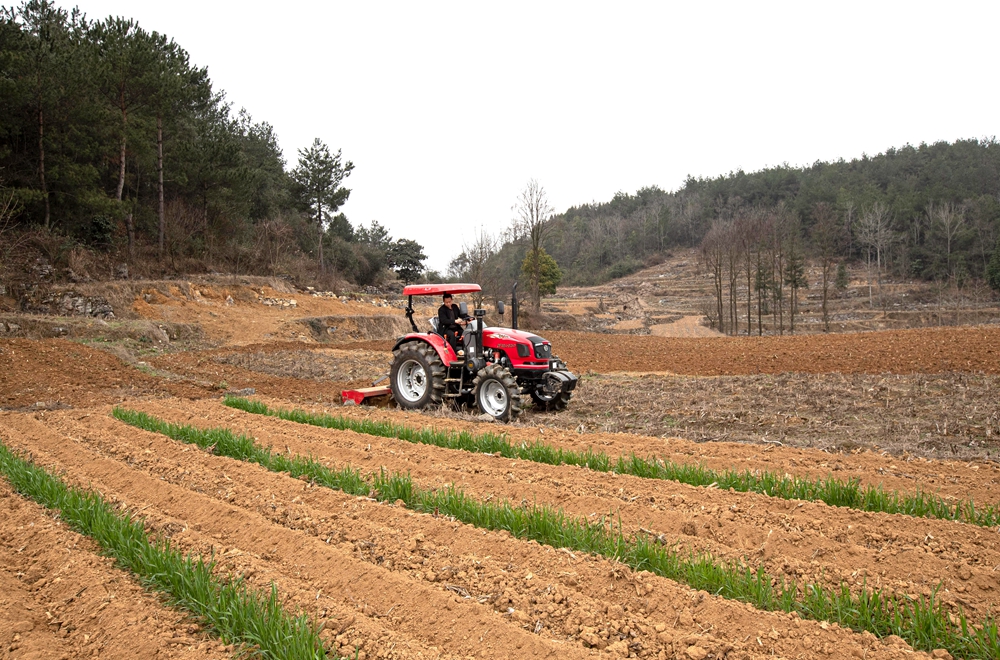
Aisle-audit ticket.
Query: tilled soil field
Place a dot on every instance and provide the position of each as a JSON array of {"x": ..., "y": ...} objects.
[
  {"x": 387, "y": 582},
  {"x": 397, "y": 584}
]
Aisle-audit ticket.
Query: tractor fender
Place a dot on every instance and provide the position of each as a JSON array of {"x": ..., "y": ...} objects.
[{"x": 437, "y": 342}]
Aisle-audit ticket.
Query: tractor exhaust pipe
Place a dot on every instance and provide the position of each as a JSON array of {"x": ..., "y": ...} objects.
[{"x": 513, "y": 307}]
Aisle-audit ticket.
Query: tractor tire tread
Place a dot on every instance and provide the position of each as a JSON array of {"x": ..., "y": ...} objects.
[
  {"x": 506, "y": 378},
  {"x": 435, "y": 368}
]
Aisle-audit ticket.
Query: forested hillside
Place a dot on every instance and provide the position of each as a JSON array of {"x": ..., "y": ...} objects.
[
  {"x": 941, "y": 201},
  {"x": 117, "y": 153},
  {"x": 930, "y": 212}
]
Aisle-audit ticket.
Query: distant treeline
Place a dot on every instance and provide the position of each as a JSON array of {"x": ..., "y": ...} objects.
[
  {"x": 942, "y": 203},
  {"x": 112, "y": 143}
]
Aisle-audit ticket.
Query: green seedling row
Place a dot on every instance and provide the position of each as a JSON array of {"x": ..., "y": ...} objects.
[
  {"x": 236, "y": 612},
  {"x": 834, "y": 492},
  {"x": 923, "y": 622}
]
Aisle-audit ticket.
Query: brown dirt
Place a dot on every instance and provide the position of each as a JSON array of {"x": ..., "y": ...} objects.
[
  {"x": 931, "y": 350},
  {"x": 240, "y": 315},
  {"x": 397, "y": 584},
  {"x": 953, "y": 415},
  {"x": 686, "y": 326},
  {"x": 60, "y": 599},
  {"x": 57, "y": 372}
]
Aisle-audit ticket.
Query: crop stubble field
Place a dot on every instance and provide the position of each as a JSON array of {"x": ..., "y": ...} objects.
[{"x": 389, "y": 582}]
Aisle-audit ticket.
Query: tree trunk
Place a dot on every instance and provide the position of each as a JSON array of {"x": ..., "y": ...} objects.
[
  {"x": 159, "y": 168},
  {"x": 121, "y": 157},
  {"x": 749, "y": 297},
  {"x": 536, "y": 277},
  {"x": 319, "y": 223},
  {"x": 827, "y": 264},
  {"x": 130, "y": 228},
  {"x": 718, "y": 293},
  {"x": 41, "y": 163}
]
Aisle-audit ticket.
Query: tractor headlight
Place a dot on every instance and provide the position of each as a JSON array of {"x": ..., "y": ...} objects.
[{"x": 557, "y": 365}]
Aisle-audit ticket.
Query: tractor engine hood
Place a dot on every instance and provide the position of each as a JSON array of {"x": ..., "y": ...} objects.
[
  {"x": 508, "y": 334},
  {"x": 532, "y": 346}
]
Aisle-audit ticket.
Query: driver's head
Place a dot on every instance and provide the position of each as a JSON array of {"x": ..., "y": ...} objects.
[{"x": 447, "y": 298}]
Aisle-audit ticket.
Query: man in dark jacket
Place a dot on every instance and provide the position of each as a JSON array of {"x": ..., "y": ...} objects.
[{"x": 450, "y": 323}]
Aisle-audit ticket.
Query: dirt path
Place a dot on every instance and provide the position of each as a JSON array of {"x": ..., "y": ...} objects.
[
  {"x": 686, "y": 326},
  {"x": 393, "y": 582}
]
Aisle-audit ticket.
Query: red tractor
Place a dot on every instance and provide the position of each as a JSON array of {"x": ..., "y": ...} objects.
[{"x": 500, "y": 364}]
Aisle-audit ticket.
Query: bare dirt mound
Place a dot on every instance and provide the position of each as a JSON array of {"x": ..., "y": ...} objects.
[{"x": 242, "y": 314}]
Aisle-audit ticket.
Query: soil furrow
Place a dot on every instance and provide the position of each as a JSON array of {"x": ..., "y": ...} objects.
[
  {"x": 60, "y": 599},
  {"x": 797, "y": 540},
  {"x": 413, "y": 559},
  {"x": 957, "y": 479},
  {"x": 304, "y": 566}
]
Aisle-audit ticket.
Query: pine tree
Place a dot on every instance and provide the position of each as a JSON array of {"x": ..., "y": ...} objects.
[{"x": 318, "y": 178}]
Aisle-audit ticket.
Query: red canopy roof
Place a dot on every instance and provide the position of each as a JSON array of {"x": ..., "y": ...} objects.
[{"x": 436, "y": 289}]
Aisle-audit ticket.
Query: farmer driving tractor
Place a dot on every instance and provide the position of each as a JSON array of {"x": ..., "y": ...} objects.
[{"x": 450, "y": 323}]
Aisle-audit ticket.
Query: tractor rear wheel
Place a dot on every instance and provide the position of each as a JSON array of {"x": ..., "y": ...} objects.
[
  {"x": 497, "y": 393},
  {"x": 550, "y": 402},
  {"x": 417, "y": 376}
]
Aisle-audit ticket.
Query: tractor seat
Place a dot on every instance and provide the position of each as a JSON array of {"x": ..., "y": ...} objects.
[{"x": 434, "y": 325}]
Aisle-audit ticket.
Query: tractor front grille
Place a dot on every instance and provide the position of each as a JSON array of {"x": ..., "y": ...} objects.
[{"x": 543, "y": 351}]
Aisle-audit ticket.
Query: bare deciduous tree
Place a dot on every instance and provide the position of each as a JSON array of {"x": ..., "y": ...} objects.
[
  {"x": 713, "y": 256},
  {"x": 533, "y": 210},
  {"x": 473, "y": 265},
  {"x": 875, "y": 234},
  {"x": 8, "y": 211},
  {"x": 950, "y": 219},
  {"x": 986, "y": 230},
  {"x": 828, "y": 240}
]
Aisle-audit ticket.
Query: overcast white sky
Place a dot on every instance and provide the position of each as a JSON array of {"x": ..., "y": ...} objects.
[{"x": 448, "y": 109}]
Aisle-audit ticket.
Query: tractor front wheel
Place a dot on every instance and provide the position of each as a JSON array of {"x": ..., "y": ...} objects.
[
  {"x": 417, "y": 376},
  {"x": 497, "y": 393},
  {"x": 550, "y": 402}
]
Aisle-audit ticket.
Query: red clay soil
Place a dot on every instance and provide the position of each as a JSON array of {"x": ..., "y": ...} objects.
[
  {"x": 395, "y": 584},
  {"x": 930, "y": 350}
]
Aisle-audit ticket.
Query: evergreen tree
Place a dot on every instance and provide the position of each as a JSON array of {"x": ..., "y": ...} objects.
[
  {"x": 319, "y": 177},
  {"x": 545, "y": 268},
  {"x": 407, "y": 258}
]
